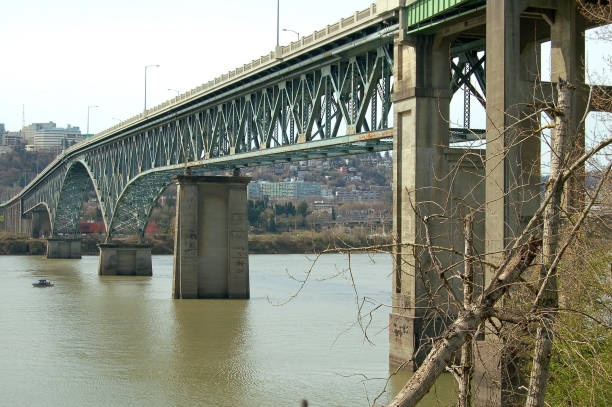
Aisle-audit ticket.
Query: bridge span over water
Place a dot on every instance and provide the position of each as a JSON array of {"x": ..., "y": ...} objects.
[{"x": 380, "y": 79}]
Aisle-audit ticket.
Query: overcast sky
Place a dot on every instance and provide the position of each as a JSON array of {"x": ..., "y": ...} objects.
[{"x": 61, "y": 56}]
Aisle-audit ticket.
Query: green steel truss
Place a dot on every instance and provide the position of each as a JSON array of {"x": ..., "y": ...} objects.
[
  {"x": 338, "y": 106},
  {"x": 334, "y": 102},
  {"x": 423, "y": 14}
]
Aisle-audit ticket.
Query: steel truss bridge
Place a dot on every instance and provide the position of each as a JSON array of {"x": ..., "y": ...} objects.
[{"x": 327, "y": 95}]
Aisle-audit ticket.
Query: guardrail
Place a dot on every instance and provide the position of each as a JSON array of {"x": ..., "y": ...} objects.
[
  {"x": 281, "y": 53},
  {"x": 330, "y": 32}
]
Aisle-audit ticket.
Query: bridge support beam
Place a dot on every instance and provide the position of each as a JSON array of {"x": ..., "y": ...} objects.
[
  {"x": 568, "y": 64},
  {"x": 420, "y": 164},
  {"x": 211, "y": 238},
  {"x": 122, "y": 259},
  {"x": 513, "y": 175},
  {"x": 40, "y": 224},
  {"x": 60, "y": 248}
]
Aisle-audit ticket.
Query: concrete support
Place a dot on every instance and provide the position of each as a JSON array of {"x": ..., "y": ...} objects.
[
  {"x": 568, "y": 64},
  {"x": 40, "y": 224},
  {"x": 211, "y": 238},
  {"x": 12, "y": 218},
  {"x": 60, "y": 248},
  {"x": 421, "y": 103},
  {"x": 512, "y": 168},
  {"x": 121, "y": 259},
  {"x": 25, "y": 224}
]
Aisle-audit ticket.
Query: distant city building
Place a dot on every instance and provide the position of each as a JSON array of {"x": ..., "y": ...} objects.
[
  {"x": 48, "y": 137},
  {"x": 327, "y": 193},
  {"x": 287, "y": 190},
  {"x": 254, "y": 191},
  {"x": 30, "y": 131},
  {"x": 321, "y": 207},
  {"x": 2, "y": 131},
  {"x": 348, "y": 195},
  {"x": 13, "y": 138}
]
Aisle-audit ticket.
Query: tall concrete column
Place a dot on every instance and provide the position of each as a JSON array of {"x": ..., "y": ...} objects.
[
  {"x": 25, "y": 226},
  {"x": 421, "y": 104},
  {"x": 567, "y": 64},
  {"x": 211, "y": 238},
  {"x": 512, "y": 169},
  {"x": 40, "y": 224}
]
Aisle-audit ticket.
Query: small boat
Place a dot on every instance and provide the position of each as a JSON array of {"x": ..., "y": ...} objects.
[{"x": 43, "y": 283}]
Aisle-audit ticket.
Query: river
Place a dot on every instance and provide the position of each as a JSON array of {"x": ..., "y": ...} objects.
[{"x": 122, "y": 341}]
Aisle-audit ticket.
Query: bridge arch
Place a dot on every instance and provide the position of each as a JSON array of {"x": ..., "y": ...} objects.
[
  {"x": 41, "y": 221},
  {"x": 137, "y": 200},
  {"x": 68, "y": 207}
]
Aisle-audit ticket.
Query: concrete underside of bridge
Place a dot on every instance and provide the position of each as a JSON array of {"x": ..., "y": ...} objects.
[{"x": 211, "y": 238}]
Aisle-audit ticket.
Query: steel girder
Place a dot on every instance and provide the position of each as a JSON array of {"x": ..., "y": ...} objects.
[
  {"x": 62, "y": 194},
  {"x": 47, "y": 193},
  {"x": 308, "y": 112},
  {"x": 343, "y": 96},
  {"x": 71, "y": 196}
]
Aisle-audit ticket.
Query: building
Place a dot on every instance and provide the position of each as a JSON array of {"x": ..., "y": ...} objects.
[
  {"x": 356, "y": 195},
  {"x": 254, "y": 190},
  {"x": 50, "y": 138},
  {"x": 281, "y": 191},
  {"x": 10, "y": 138},
  {"x": 13, "y": 138},
  {"x": 30, "y": 131},
  {"x": 307, "y": 190}
]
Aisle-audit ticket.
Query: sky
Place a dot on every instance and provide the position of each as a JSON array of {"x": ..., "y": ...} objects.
[{"x": 59, "y": 57}]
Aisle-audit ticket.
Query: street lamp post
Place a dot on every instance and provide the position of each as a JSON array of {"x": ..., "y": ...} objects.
[
  {"x": 88, "y": 109},
  {"x": 145, "y": 85},
  {"x": 293, "y": 31},
  {"x": 174, "y": 90}
]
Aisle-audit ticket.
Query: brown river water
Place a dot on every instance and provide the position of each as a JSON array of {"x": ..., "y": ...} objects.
[{"x": 122, "y": 341}]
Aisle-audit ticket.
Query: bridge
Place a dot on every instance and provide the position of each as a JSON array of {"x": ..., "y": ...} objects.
[{"x": 380, "y": 79}]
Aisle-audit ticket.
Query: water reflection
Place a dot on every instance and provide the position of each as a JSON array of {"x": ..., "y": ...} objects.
[{"x": 122, "y": 341}]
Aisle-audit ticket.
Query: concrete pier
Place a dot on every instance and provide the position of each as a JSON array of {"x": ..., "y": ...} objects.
[
  {"x": 422, "y": 161},
  {"x": 61, "y": 248},
  {"x": 121, "y": 259},
  {"x": 211, "y": 238},
  {"x": 40, "y": 225}
]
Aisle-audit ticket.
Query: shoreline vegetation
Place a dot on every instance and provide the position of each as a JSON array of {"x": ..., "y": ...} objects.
[{"x": 300, "y": 242}]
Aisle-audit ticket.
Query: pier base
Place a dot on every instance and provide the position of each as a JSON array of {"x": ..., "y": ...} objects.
[
  {"x": 58, "y": 248},
  {"x": 211, "y": 238},
  {"x": 120, "y": 259}
]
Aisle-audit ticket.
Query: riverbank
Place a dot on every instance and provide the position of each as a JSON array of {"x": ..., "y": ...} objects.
[
  {"x": 10, "y": 244},
  {"x": 298, "y": 242}
]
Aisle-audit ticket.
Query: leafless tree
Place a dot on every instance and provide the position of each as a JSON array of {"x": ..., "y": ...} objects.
[{"x": 523, "y": 293}]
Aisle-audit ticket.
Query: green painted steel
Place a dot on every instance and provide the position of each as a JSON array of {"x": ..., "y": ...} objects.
[{"x": 422, "y": 11}]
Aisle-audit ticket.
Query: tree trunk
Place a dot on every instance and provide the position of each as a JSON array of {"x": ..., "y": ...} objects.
[
  {"x": 548, "y": 298},
  {"x": 466, "y": 369},
  {"x": 468, "y": 321}
]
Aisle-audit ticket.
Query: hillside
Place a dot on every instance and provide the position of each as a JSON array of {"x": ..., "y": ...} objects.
[{"x": 17, "y": 168}]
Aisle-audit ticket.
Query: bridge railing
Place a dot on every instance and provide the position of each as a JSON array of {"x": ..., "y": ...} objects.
[{"x": 332, "y": 31}]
